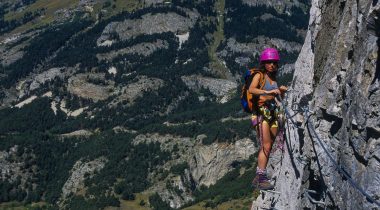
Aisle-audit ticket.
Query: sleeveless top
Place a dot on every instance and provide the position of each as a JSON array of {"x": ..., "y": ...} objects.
[{"x": 268, "y": 87}]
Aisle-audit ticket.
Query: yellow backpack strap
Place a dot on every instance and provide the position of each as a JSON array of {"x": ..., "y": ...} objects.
[{"x": 262, "y": 80}]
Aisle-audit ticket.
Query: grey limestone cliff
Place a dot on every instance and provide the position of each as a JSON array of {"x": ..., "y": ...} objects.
[
  {"x": 206, "y": 164},
  {"x": 337, "y": 78},
  {"x": 149, "y": 24}
]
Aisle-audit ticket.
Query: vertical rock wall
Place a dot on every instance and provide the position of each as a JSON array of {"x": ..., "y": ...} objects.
[{"x": 337, "y": 77}]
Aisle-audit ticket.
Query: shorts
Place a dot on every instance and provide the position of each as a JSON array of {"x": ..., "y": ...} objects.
[
  {"x": 257, "y": 119},
  {"x": 273, "y": 124},
  {"x": 269, "y": 116}
]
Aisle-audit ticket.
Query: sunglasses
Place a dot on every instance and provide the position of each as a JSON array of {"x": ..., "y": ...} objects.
[{"x": 271, "y": 62}]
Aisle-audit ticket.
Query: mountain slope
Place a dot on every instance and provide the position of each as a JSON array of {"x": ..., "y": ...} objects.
[{"x": 98, "y": 105}]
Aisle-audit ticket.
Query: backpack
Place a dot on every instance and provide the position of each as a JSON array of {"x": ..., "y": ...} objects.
[{"x": 247, "y": 99}]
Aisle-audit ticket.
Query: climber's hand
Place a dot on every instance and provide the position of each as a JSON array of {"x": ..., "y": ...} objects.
[
  {"x": 283, "y": 89},
  {"x": 273, "y": 92}
]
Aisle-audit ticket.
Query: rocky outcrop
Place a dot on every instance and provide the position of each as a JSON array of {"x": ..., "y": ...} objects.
[
  {"x": 210, "y": 163},
  {"x": 153, "y": 2},
  {"x": 173, "y": 188},
  {"x": 78, "y": 133},
  {"x": 13, "y": 165},
  {"x": 12, "y": 46},
  {"x": 9, "y": 56},
  {"x": 35, "y": 81},
  {"x": 96, "y": 87},
  {"x": 26, "y": 101},
  {"x": 144, "y": 49},
  {"x": 34, "y": 84},
  {"x": 82, "y": 85},
  {"x": 63, "y": 108},
  {"x": 175, "y": 103},
  {"x": 182, "y": 38},
  {"x": 167, "y": 141},
  {"x": 279, "y": 5},
  {"x": 46, "y": 76},
  {"x": 148, "y": 24},
  {"x": 136, "y": 89},
  {"x": 178, "y": 193},
  {"x": 221, "y": 88},
  {"x": 80, "y": 170},
  {"x": 337, "y": 78},
  {"x": 206, "y": 164}
]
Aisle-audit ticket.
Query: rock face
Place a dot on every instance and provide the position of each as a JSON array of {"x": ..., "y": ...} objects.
[
  {"x": 183, "y": 195},
  {"x": 150, "y": 2},
  {"x": 84, "y": 133},
  {"x": 206, "y": 164},
  {"x": 144, "y": 49},
  {"x": 78, "y": 173},
  {"x": 83, "y": 86},
  {"x": 219, "y": 87},
  {"x": 9, "y": 56},
  {"x": 179, "y": 192},
  {"x": 337, "y": 78},
  {"x": 148, "y": 24},
  {"x": 35, "y": 81},
  {"x": 46, "y": 76},
  {"x": 12, "y": 165},
  {"x": 97, "y": 88},
  {"x": 210, "y": 163},
  {"x": 134, "y": 90},
  {"x": 279, "y": 5}
]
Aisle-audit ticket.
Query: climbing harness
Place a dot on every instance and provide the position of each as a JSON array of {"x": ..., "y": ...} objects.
[{"x": 271, "y": 114}]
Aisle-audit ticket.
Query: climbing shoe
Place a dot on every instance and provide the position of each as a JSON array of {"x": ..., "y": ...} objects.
[{"x": 261, "y": 182}]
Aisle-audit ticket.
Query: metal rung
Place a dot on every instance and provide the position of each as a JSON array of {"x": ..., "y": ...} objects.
[
  {"x": 312, "y": 199},
  {"x": 271, "y": 191},
  {"x": 302, "y": 159}
]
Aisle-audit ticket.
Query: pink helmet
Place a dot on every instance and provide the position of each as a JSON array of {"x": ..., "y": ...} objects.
[{"x": 269, "y": 54}]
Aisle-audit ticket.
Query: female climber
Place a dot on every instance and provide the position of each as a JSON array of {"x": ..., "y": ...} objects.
[{"x": 267, "y": 112}]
